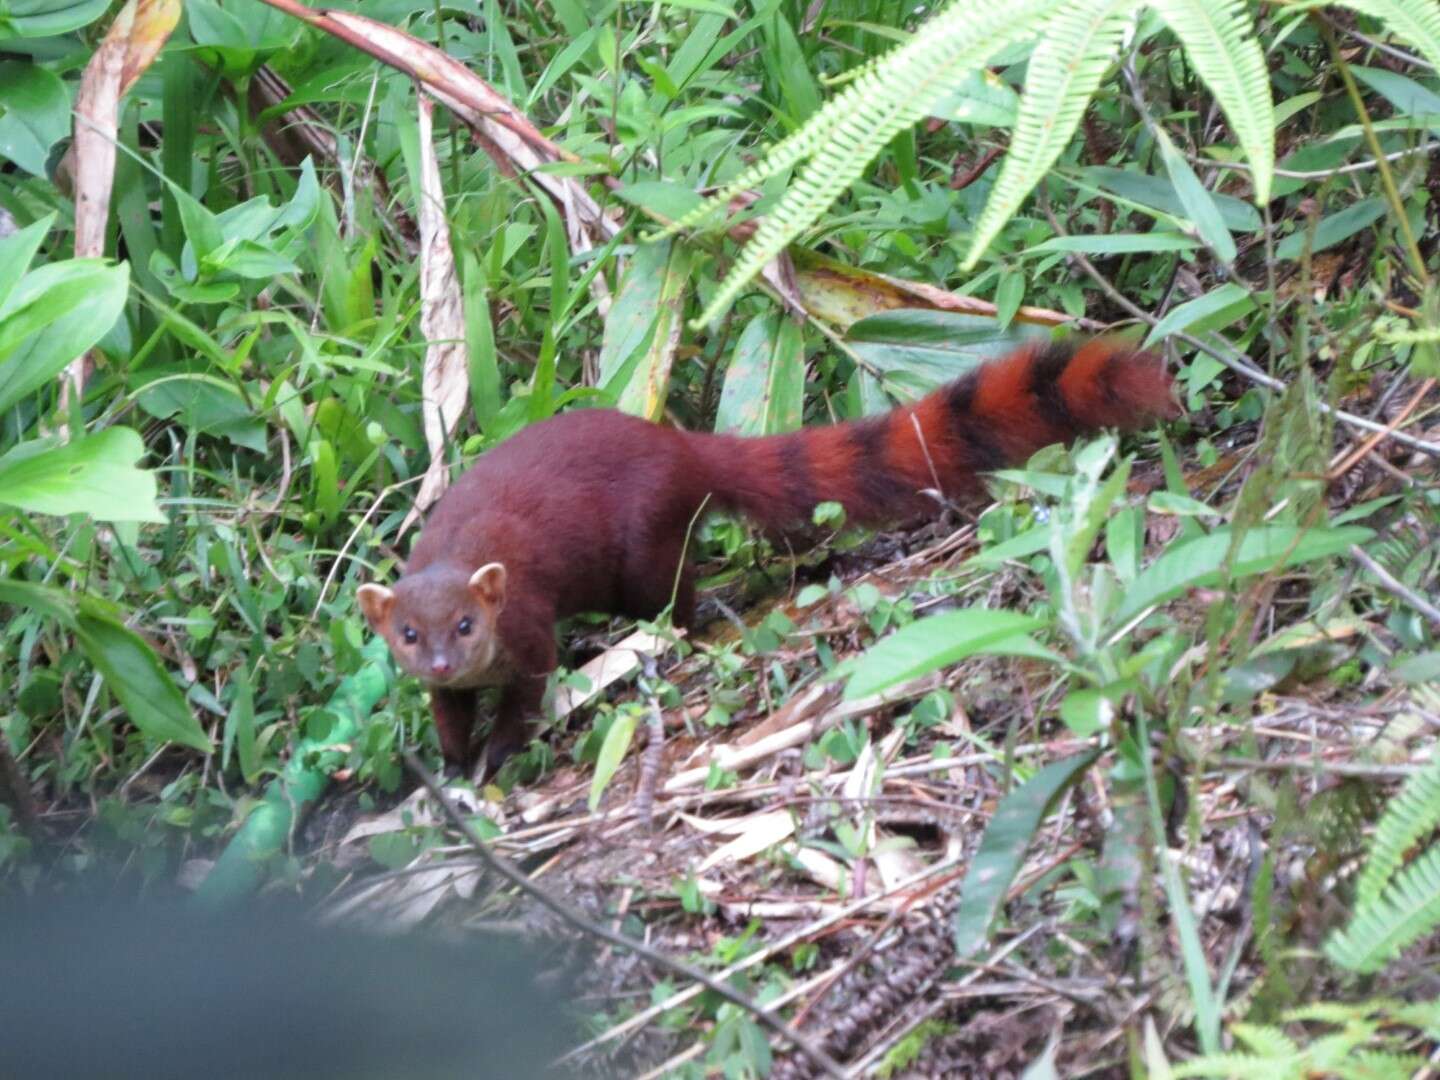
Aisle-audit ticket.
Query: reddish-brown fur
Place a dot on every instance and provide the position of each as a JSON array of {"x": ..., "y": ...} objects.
[{"x": 589, "y": 511}]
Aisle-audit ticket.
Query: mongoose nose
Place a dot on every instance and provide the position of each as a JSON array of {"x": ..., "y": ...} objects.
[{"x": 440, "y": 666}]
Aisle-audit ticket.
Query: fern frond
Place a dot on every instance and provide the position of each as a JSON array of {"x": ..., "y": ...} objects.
[
  {"x": 1239, "y": 1067},
  {"x": 1405, "y": 911},
  {"x": 1413, "y": 813},
  {"x": 858, "y": 123},
  {"x": 1064, "y": 71},
  {"x": 1219, "y": 41},
  {"x": 1423, "y": 1015},
  {"x": 1264, "y": 1040},
  {"x": 1417, "y": 21},
  {"x": 1379, "y": 1065}
]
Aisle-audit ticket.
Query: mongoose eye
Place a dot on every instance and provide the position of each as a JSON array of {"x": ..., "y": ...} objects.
[
  {"x": 464, "y": 628},
  {"x": 410, "y": 635}
]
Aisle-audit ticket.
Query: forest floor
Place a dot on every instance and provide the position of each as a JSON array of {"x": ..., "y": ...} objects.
[{"x": 813, "y": 849}]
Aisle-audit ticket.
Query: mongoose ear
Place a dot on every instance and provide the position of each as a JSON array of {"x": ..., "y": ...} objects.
[
  {"x": 376, "y": 602},
  {"x": 488, "y": 585}
]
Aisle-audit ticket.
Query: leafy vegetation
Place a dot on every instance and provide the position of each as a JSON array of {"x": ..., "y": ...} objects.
[{"x": 1130, "y": 725}]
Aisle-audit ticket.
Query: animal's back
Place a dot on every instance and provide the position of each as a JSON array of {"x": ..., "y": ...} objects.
[{"x": 569, "y": 497}]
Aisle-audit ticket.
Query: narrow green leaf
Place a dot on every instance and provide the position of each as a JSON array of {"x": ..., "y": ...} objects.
[
  {"x": 938, "y": 641},
  {"x": 1158, "y": 192},
  {"x": 1199, "y": 206},
  {"x": 1407, "y": 95},
  {"x": 1332, "y": 228},
  {"x": 480, "y": 341},
  {"x": 1217, "y": 308},
  {"x": 612, "y": 753},
  {"x": 1202, "y": 562},
  {"x": 1192, "y": 952},
  {"x": 131, "y": 670},
  {"x": 1003, "y": 847},
  {"x": 1118, "y": 243},
  {"x": 1017, "y": 547}
]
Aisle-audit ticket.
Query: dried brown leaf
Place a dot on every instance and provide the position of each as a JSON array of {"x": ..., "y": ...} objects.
[
  {"x": 131, "y": 44},
  {"x": 446, "y": 380}
]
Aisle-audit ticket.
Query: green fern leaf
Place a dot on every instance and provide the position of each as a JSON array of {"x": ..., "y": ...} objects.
[
  {"x": 1240, "y": 1067},
  {"x": 1412, "y": 813},
  {"x": 1064, "y": 71},
  {"x": 1417, "y": 21},
  {"x": 1408, "y": 909},
  {"x": 1378, "y": 1065},
  {"x": 1264, "y": 1040},
  {"x": 858, "y": 123},
  {"x": 1219, "y": 41}
]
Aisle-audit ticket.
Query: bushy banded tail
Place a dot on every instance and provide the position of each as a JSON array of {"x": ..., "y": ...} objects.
[{"x": 997, "y": 415}]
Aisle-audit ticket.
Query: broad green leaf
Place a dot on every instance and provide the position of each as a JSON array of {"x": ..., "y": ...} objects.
[
  {"x": 48, "y": 18},
  {"x": 940, "y": 640},
  {"x": 240, "y": 38},
  {"x": 34, "y": 114},
  {"x": 1199, "y": 205},
  {"x": 1421, "y": 668},
  {"x": 16, "y": 252},
  {"x": 647, "y": 390},
  {"x": 1408, "y": 96},
  {"x": 765, "y": 382},
  {"x": 93, "y": 475},
  {"x": 643, "y": 329},
  {"x": 1202, "y": 562},
  {"x": 1158, "y": 192},
  {"x": 1218, "y": 308},
  {"x": 1003, "y": 847},
  {"x": 49, "y": 601},
  {"x": 205, "y": 404},
  {"x": 1332, "y": 228},
  {"x": 928, "y": 348},
  {"x": 1118, "y": 243},
  {"x": 53, "y": 315},
  {"x": 612, "y": 753},
  {"x": 133, "y": 673},
  {"x": 664, "y": 197}
]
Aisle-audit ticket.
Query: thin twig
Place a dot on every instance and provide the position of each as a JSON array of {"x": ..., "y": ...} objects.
[
  {"x": 762, "y": 954},
  {"x": 1317, "y": 174},
  {"x": 502, "y": 867},
  {"x": 1395, "y": 587},
  {"x": 1350, "y": 460},
  {"x": 644, "y": 801},
  {"x": 1233, "y": 360}
]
